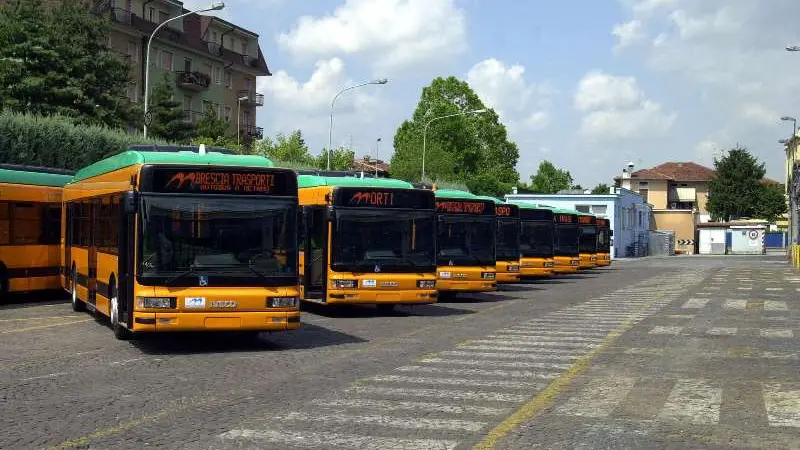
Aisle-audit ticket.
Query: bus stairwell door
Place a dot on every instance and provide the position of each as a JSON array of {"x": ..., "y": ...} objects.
[
  {"x": 316, "y": 238},
  {"x": 94, "y": 210}
]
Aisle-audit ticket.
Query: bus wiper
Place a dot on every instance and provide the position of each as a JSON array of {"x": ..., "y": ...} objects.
[{"x": 186, "y": 272}]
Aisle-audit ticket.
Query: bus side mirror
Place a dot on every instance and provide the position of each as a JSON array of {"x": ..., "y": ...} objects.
[
  {"x": 611, "y": 232},
  {"x": 129, "y": 202},
  {"x": 331, "y": 214}
]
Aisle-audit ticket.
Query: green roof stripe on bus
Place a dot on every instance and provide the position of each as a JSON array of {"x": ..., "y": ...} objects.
[
  {"x": 453, "y": 193},
  {"x": 497, "y": 201},
  {"x": 307, "y": 181},
  {"x": 132, "y": 158},
  {"x": 33, "y": 178}
]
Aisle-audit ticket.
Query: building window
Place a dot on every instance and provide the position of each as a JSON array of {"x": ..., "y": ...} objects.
[
  {"x": 644, "y": 185},
  {"x": 162, "y": 17},
  {"x": 166, "y": 60},
  {"x": 247, "y": 83},
  {"x": 246, "y": 120},
  {"x": 208, "y": 107},
  {"x": 228, "y": 83},
  {"x": 208, "y": 70},
  {"x": 643, "y": 193},
  {"x": 133, "y": 51},
  {"x": 151, "y": 16},
  {"x": 187, "y": 64},
  {"x": 218, "y": 75},
  {"x": 599, "y": 209},
  {"x": 187, "y": 103},
  {"x": 133, "y": 91},
  {"x": 583, "y": 208},
  {"x": 244, "y": 47},
  {"x": 227, "y": 113}
]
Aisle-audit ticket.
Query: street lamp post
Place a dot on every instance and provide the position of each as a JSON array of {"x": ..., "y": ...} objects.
[
  {"x": 239, "y": 119},
  {"x": 333, "y": 102},
  {"x": 425, "y": 132},
  {"x": 216, "y": 6},
  {"x": 377, "y": 149}
]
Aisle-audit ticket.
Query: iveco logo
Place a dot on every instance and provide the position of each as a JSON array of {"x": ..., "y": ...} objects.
[
  {"x": 223, "y": 304},
  {"x": 460, "y": 275},
  {"x": 389, "y": 284}
]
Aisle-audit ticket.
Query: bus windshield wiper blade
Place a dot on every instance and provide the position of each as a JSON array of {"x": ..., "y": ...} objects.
[{"x": 186, "y": 272}]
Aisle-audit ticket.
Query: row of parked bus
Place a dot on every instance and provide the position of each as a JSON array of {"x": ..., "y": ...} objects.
[{"x": 177, "y": 238}]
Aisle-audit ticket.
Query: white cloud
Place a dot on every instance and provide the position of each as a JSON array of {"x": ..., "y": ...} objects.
[
  {"x": 521, "y": 105},
  {"x": 616, "y": 108},
  {"x": 628, "y": 33},
  {"x": 394, "y": 34},
  {"x": 759, "y": 114}
]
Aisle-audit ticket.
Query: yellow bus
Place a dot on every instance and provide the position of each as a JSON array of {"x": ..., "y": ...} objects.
[
  {"x": 506, "y": 241},
  {"x": 30, "y": 217},
  {"x": 367, "y": 241},
  {"x": 587, "y": 241},
  {"x": 536, "y": 241},
  {"x": 604, "y": 234},
  {"x": 565, "y": 241},
  {"x": 180, "y": 239},
  {"x": 466, "y": 243}
]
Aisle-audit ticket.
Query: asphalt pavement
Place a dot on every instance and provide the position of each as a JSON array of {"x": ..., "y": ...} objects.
[{"x": 657, "y": 353}]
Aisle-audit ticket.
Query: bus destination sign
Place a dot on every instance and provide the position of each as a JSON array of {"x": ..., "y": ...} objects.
[
  {"x": 563, "y": 218},
  {"x": 506, "y": 211},
  {"x": 476, "y": 208},
  {"x": 368, "y": 197},
  {"x": 602, "y": 223},
  {"x": 535, "y": 214},
  {"x": 586, "y": 220},
  {"x": 208, "y": 180}
]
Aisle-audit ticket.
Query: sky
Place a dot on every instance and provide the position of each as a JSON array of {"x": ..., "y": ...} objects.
[{"x": 588, "y": 84}]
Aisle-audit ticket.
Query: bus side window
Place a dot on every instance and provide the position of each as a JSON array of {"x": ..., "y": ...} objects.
[
  {"x": 26, "y": 226},
  {"x": 5, "y": 235},
  {"x": 51, "y": 233}
]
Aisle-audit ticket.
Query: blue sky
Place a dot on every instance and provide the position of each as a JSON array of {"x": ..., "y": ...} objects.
[{"x": 587, "y": 84}]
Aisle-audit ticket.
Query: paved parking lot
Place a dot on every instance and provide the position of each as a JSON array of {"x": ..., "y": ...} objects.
[{"x": 686, "y": 352}]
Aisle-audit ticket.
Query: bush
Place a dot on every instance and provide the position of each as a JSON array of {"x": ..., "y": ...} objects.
[{"x": 59, "y": 141}]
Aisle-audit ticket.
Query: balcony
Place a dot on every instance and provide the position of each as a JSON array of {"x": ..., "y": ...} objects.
[
  {"x": 193, "y": 116},
  {"x": 120, "y": 15},
  {"x": 213, "y": 48},
  {"x": 252, "y": 132},
  {"x": 192, "y": 81},
  {"x": 253, "y": 99}
]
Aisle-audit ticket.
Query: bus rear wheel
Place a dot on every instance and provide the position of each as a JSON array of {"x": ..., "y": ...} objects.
[
  {"x": 77, "y": 304},
  {"x": 120, "y": 332}
]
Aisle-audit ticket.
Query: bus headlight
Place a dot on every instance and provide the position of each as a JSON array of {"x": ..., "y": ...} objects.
[
  {"x": 513, "y": 268},
  {"x": 282, "y": 302},
  {"x": 426, "y": 284},
  {"x": 156, "y": 302},
  {"x": 487, "y": 275},
  {"x": 344, "y": 284}
]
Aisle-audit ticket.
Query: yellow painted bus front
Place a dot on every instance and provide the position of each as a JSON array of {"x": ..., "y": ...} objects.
[
  {"x": 535, "y": 267},
  {"x": 507, "y": 272},
  {"x": 183, "y": 241},
  {"x": 507, "y": 242},
  {"x": 587, "y": 241},
  {"x": 466, "y": 278},
  {"x": 588, "y": 261},
  {"x": 566, "y": 240},
  {"x": 604, "y": 234},
  {"x": 367, "y": 241},
  {"x": 566, "y": 264},
  {"x": 536, "y": 241}
]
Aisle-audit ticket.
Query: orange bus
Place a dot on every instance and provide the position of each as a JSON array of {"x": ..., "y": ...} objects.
[
  {"x": 565, "y": 241},
  {"x": 587, "y": 242},
  {"x": 507, "y": 242},
  {"x": 367, "y": 241},
  {"x": 466, "y": 243},
  {"x": 536, "y": 241},
  {"x": 604, "y": 234},
  {"x": 30, "y": 218},
  {"x": 180, "y": 239}
]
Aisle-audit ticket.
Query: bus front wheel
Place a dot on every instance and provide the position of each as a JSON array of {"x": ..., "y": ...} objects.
[
  {"x": 77, "y": 304},
  {"x": 120, "y": 332}
]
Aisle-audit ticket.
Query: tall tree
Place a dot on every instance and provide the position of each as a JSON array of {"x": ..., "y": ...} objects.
[
  {"x": 342, "y": 158},
  {"x": 549, "y": 179},
  {"x": 54, "y": 60},
  {"x": 169, "y": 120},
  {"x": 211, "y": 127},
  {"x": 601, "y": 189},
  {"x": 736, "y": 190},
  {"x": 457, "y": 148},
  {"x": 771, "y": 202}
]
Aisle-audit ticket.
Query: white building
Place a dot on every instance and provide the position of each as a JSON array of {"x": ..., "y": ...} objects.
[{"x": 628, "y": 213}]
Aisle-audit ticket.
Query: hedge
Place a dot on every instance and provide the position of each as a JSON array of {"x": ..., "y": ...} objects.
[{"x": 58, "y": 141}]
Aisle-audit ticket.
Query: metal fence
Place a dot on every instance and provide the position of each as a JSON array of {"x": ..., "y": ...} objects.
[{"x": 662, "y": 243}]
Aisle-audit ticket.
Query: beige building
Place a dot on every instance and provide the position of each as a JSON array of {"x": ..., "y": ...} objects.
[
  {"x": 678, "y": 192},
  {"x": 213, "y": 64}
]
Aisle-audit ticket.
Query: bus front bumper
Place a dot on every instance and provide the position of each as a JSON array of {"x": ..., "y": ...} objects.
[
  {"x": 588, "y": 262},
  {"x": 377, "y": 297},
  {"x": 216, "y": 321},
  {"x": 603, "y": 259},
  {"x": 507, "y": 272},
  {"x": 537, "y": 268},
  {"x": 566, "y": 265},
  {"x": 466, "y": 285}
]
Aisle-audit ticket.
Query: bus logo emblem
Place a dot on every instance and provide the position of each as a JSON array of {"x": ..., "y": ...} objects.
[
  {"x": 377, "y": 268},
  {"x": 203, "y": 280}
]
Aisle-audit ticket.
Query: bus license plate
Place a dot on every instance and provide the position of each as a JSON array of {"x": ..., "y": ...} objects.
[
  {"x": 445, "y": 274},
  {"x": 194, "y": 302},
  {"x": 369, "y": 283}
]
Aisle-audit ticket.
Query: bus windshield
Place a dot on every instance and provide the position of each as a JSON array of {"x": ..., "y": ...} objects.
[
  {"x": 507, "y": 239},
  {"x": 603, "y": 240},
  {"x": 466, "y": 240},
  {"x": 565, "y": 240},
  {"x": 588, "y": 239},
  {"x": 392, "y": 241},
  {"x": 536, "y": 239},
  {"x": 218, "y": 241}
]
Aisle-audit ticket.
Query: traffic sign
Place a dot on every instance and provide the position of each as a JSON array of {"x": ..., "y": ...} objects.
[{"x": 148, "y": 118}]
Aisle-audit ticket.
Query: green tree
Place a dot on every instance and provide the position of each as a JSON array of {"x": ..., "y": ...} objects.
[
  {"x": 342, "y": 158},
  {"x": 54, "y": 60},
  {"x": 458, "y": 148},
  {"x": 211, "y": 126},
  {"x": 169, "y": 122},
  {"x": 601, "y": 189},
  {"x": 549, "y": 179},
  {"x": 771, "y": 202},
  {"x": 736, "y": 189}
]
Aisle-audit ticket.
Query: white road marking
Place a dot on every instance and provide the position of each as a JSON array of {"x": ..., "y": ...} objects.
[
  {"x": 721, "y": 331},
  {"x": 308, "y": 439},
  {"x": 543, "y": 332},
  {"x": 599, "y": 397},
  {"x": 666, "y": 330},
  {"x": 49, "y": 375},
  {"x": 414, "y": 423},
  {"x": 507, "y": 364},
  {"x": 454, "y": 381},
  {"x": 479, "y": 372},
  {"x": 525, "y": 343},
  {"x": 440, "y": 393},
  {"x": 735, "y": 304},
  {"x": 777, "y": 333},
  {"x": 696, "y": 303},
  {"x": 774, "y": 305},
  {"x": 547, "y": 338},
  {"x": 644, "y": 351},
  {"x": 693, "y": 400},
  {"x": 522, "y": 351},
  {"x": 775, "y": 289},
  {"x": 782, "y": 404},
  {"x": 499, "y": 355},
  {"x": 125, "y": 362},
  {"x": 388, "y": 405}
]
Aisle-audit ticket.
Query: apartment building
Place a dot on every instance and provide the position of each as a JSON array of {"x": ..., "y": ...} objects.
[{"x": 213, "y": 63}]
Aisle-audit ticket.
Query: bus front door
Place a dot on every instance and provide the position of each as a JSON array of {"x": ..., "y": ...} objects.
[
  {"x": 316, "y": 261},
  {"x": 94, "y": 213}
]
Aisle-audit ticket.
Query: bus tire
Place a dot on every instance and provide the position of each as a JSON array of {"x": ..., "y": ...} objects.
[
  {"x": 3, "y": 284},
  {"x": 385, "y": 307},
  {"x": 77, "y": 304},
  {"x": 120, "y": 332}
]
